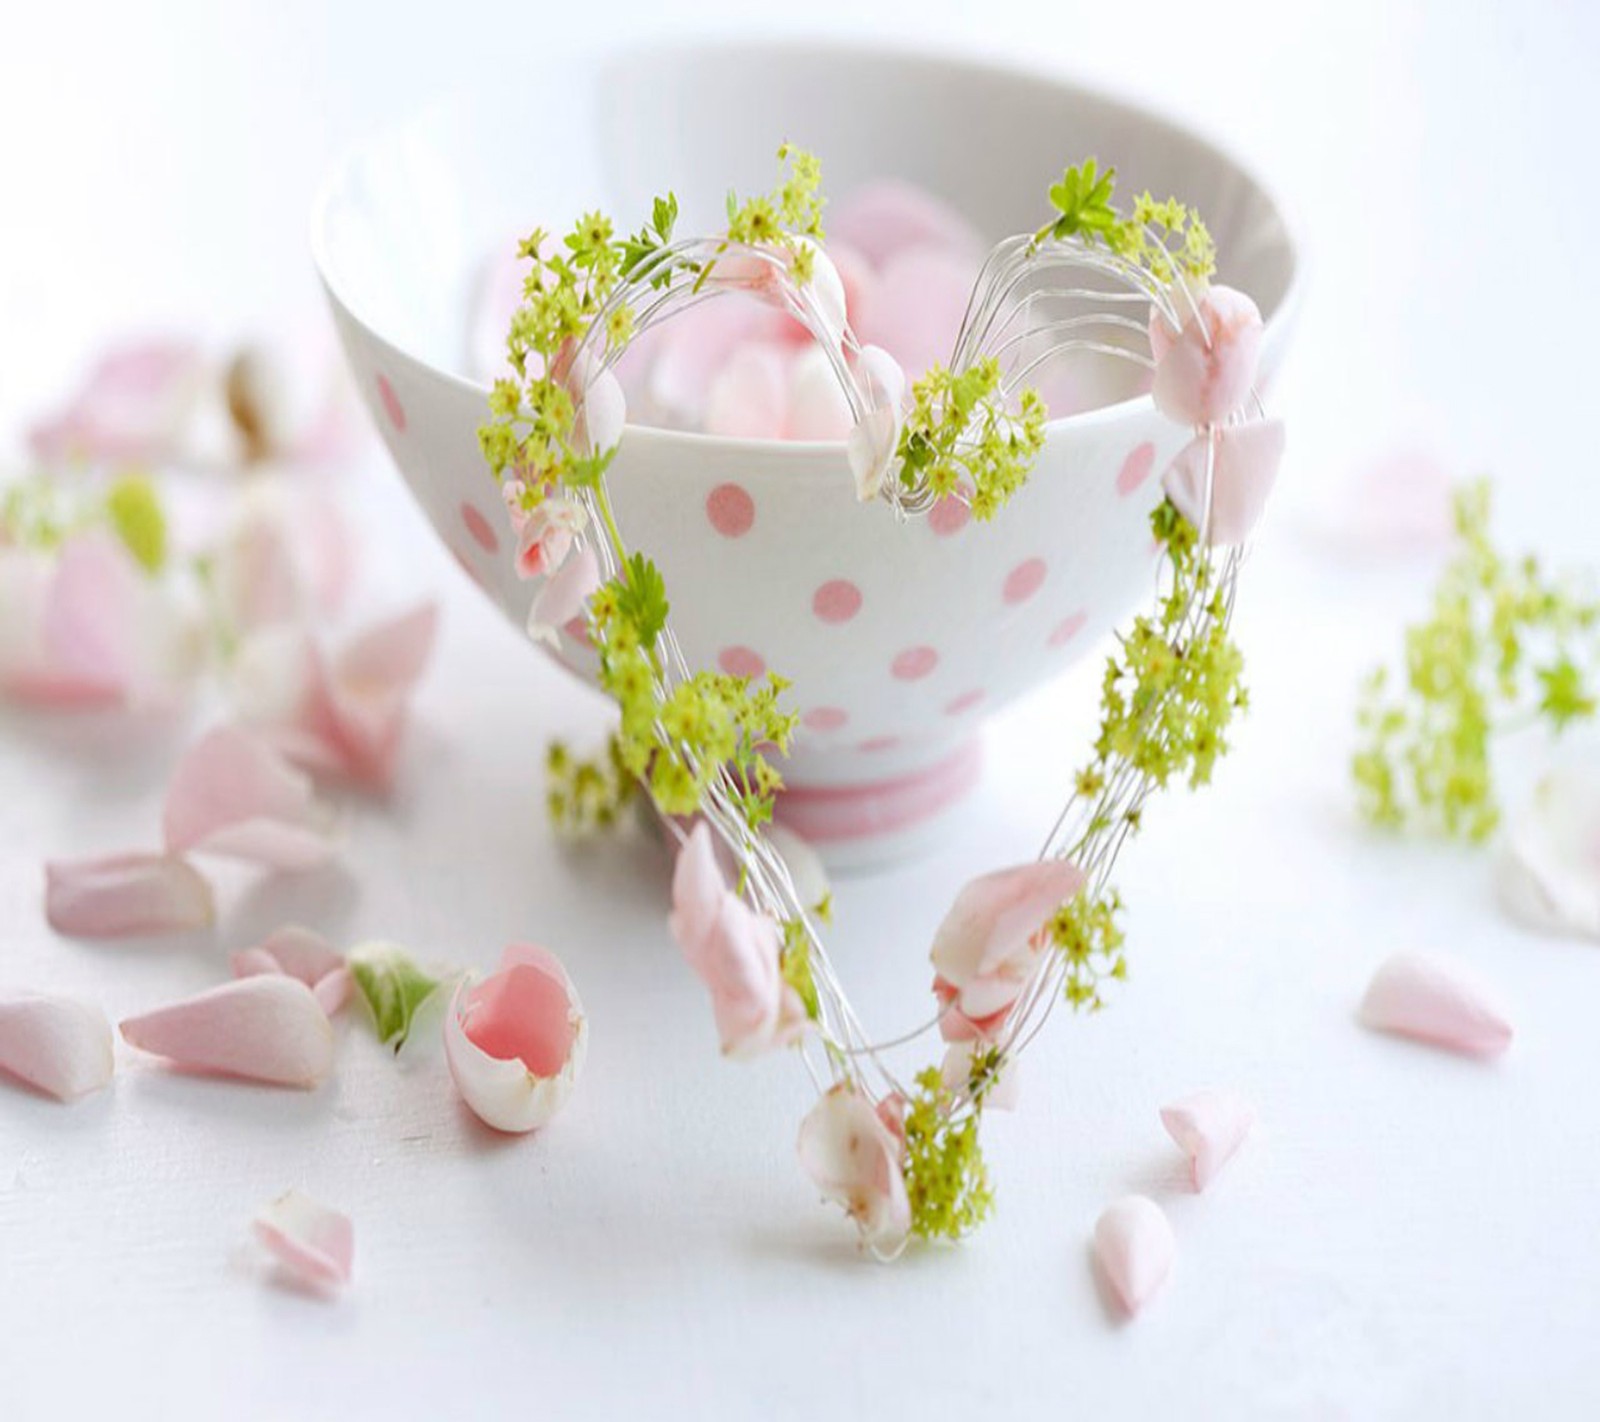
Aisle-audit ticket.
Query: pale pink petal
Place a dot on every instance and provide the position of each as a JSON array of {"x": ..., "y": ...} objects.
[
  {"x": 1134, "y": 1246},
  {"x": 692, "y": 348},
  {"x": 313, "y": 1243},
  {"x": 131, "y": 407},
  {"x": 516, "y": 1041},
  {"x": 697, "y": 892},
  {"x": 748, "y": 396},
  {"x": 741, "y": 968},
  {"x": 269, "y": 1028},
  {"x": 288, "y": 556},
  {"x": 302, "y": 954},
  {"x": 1209, "y": 1127},
  {"x": 1245, "y": 467},
  {"x": 564, "y": 596},
  {"x": 818, "y": 408},
  {"x": 915, "y": 309},
  {"x": 1401, "y": 502},
  {"x": 57, "y": 1045},
  {"x": 882, "y": 219},
  {"x": 1204, "y": 374},
  {"x": 126, "y": 894},
  {"x": 854, "y": 1158},
  {"x": 234, "y": 795},
  {"x": 333, "y": 991},
  {"x": 872, "y": 444},
  {"x": 1549, "y": 863},
  {"x": 1438, "y": 1001},
  {"x": 985, "y": 946},
  {"x": 1003, "y": 1092}
]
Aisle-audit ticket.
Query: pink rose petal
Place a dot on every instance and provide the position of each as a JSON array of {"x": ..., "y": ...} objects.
[
  {"x": 266, "y": 1028},
  {"x": 313, "y": 1243},
  {"x": 854, "y": 1157},
  {"x": 882, "y": 219},
  {"x": 126, "y": 894},
  {"x": 302, "y": 954},
  {"x": 693, "y": 347},
  {"x": 131, "y": 407},
  {"x": 234, "y": 795},
  {"x": 915, "y": 309},
  {"x": 564, "y": 596},
  {"x": 1134, "y": 1246},
  {"x": 288, "y": 556},
  {"x": 748, "y": 398},
  {"x": 1245, "y": 467},
  {"x": 1548, "y": 870},
  {"x": 1209, "y": 1127},
  {"x": 57, "y": 1045},
  {"x": 816, "y": 401},
  {"x": 1204, "y": 373},
  {"x": 1438, "y": 1001}
]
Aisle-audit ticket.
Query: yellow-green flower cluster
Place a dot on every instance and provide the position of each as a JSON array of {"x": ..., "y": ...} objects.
[
  {"x": 587, "y": 795},
  {"x": 1087, "y": 934},
  {"x": 792, "y": 209},
  {"x": 947, "y": 1182},
  {"x": 1503, "y": 645},
  {"x": 1164, "y": 237},
  {"x": 36, "y": 513}
]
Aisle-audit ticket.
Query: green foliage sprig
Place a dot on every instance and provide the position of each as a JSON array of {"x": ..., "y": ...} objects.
[
  {"x": 1504, "y": 645},
  {"x": 1165, "y": 237}
]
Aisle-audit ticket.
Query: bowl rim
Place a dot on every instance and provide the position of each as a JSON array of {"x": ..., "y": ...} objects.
[{"x": 813, "y": 451}]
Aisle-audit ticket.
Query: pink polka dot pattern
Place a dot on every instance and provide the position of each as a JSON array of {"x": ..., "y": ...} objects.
[
  {"x": 824, "y": 718},
  {"x": 913, "y": 664},
  {"x": 948, "y": 516},
  {"x": 1065, "y": 631},
  {"x": 391, "y": 404},
  {"x": 741, "y": 661},
  {"x": 1023, "y": 581},
  {"x": 878, "y": 744},
  {"x": 965, "y": 702},
  {"x": 731, "y": 510},
  {"x": 478, "y": 526},
  {"x": 1136, "y": 468},
  {"x": 836, "y": 601}
]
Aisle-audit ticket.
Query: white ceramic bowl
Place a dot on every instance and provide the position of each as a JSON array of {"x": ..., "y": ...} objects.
[{"x": 763, "y": 545}]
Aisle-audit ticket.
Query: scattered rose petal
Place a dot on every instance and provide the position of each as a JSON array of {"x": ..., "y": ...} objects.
[
  {"x": 302, "y": 954},
  {"x": 58, "y": 1045},
  {"x": 234, "y": 795},
  {"x": 124, "y": 894},
  {"x": 130, "y": 409},
  {"x": 1438, "y": 1001},
  {"x": 1204, "y": 373},
  {"x": 1548, "y": 870},
  {"x": 1134, "y": 1246},
  {"x": 882, "y": 219},
  {"x": 563, "y": 596},
  {"x": 748, "y": 396},
  {"x": 287, "y": 557},
  {"x": 265, "y": 1028},
  {"x": 313, "y": 1243},
  {"x": 1002, "y": 1094},
  {"x": 853, "y": 1157},
  {"x": 1244, "y": 469},
  {"x": 516, "y": 1041},
  {"x": 987, "y": 946},
  {"x": 1209, "y": 1127}
]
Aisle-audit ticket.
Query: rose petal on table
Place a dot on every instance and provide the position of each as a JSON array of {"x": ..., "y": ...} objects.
[
  {"x": 235, "y": 795},
  {"x": 267, "y": 1028},
  {"x": 1209, "y": 1126},
  {"x": 1003, "y": 1093},
  {"x": 1438, "y": 1001},
  {"x": 915, "y": 308},
  {"x": 1134, "y": 1247},
  {"x": 1244, "y": 468},
  {"x": 1204, "y": 372},
  {"x": 516, "y": 1040},
  {"x": 882, "y": 219},
  {"x": 1548, "y": 864},
  {"x": 748, "y": 398},
  {"x": 312, "y": 1242},
  {"x": 130, "y": 408},
  {"x": 854, "y": 1158},
  {"x": 302, "y": 954},
  {"x": 564, "y": 596},
  {"x": 124, "y": 894},
  {"x": 288, "y": 556},
  {"x": 818, "y": 408},
  {"x": 58, "y": 1045}
]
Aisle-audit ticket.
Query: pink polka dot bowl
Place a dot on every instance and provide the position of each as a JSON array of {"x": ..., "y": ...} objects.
[{"x": 900, "y": 638}]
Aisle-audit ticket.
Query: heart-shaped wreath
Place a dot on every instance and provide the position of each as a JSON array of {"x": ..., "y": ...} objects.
[{"x": 902, "y": 1157}]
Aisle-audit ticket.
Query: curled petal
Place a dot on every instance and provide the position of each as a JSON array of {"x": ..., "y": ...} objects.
[
  {"x": 1245, "y": 460},
  {"x": 1438, "y": 1001},
  {"x": 234, "y": 795},
  {"x": 882, "y": 219},
  {"x": 131, "y": 407},
  {"x": 265, "y": 1028},
  {"x": 563, "y": 596},
  {"x": 302, "y": 954},
  {"x": 871, "y": 444},
  {"x": 855, "y": 1160},
  {"x": 313, "y": 1243},
  {"x": 57, "y": 1045},
  {"x": 1134, "y": 1246},
  {"x": 1209, "y": 1127},
  {"x": 697, "y": 891},
  {"x": 1204, "y": 372},
  {"x": 516, "y": 1041},
  {"x": 1003, "y": 1092},
  {"x": 1549, "y": 863},
  {"x": 126, "y": 894},
  {"x": 748, "y": 396},
  {"x": 544, "y": 536}
]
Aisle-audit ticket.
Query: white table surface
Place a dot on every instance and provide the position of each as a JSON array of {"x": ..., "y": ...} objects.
[{"x": 1408, "y": 1234}]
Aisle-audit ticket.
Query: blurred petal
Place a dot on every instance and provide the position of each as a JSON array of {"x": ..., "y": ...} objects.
[
  {"x": 1548, "y": 870},
  {"x": 697, "y": 890},
  {"x": 288, "y": 556},
  {"x": 131, "y": 407},
  {"x": 269, "y": 1028},
  {"x": 882, "y": 219},
  {"x": 748, "y": 396},
  {"x": 565, "y": 595},
  {"x": 315, "y": 1244},
  {"x": 56, "y": 1044},
  {"x": 1134, "y": 1246},
  {"x": 915, "y": 308},
  {"x": 1209, "y": 1127},
  {"x": 304, "y": 955},
  {"x": 1438, "y": 1001},
  {"x": 126, "y": 894},
  {"x": 818, "y": 408}
]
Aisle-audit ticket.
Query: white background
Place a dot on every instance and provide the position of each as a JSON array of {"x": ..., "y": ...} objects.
[{"x": 1408, "y": 1235}]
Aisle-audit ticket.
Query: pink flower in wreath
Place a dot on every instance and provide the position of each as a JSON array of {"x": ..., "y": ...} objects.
[
  {"x": 854, "y": 1158},
  {"x": 544, "y": 536},
  {"x": 1204, "y": 371}
]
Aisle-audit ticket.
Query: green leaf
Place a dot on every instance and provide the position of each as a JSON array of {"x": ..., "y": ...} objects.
[
  {"x": 394, "y": 988},
  {"x": 643, "y": 599},
  {"x": 1564, "y": 698}
]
